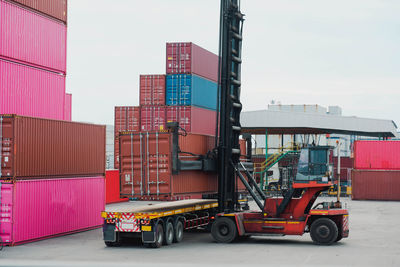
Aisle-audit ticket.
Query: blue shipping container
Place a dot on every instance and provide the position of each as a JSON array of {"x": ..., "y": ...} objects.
[{"x": 191, "y": 90}]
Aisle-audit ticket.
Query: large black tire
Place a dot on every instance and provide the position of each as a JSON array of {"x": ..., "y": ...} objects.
[
  {"x": 117, "y": 243},
  {"x": 169, "y": 234},
  {"x": 178, "y": 231},
  {"x": 339, "y": 237},
  {"x": 324, "y": 231},
  {"x": 159, "y": 237},
  {"x": 224, "y": 230}
]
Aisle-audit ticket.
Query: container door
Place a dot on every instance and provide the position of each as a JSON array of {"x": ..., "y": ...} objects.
[
  {"x": 172, "y": 90},
  {"x": 158, "y": 170},
  {"x": 158, "y": 94},
  {"x": 6, "y": 146},
  {"x": 132, "y": 165},
  {"x": 185, "y": 90},
  {"x": 6, "y": 212}
]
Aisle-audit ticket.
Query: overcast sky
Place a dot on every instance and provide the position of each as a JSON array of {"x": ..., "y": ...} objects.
[{"x": 342, "y": 52}]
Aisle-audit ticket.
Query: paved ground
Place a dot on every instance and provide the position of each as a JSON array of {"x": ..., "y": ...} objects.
[{"x": 374, "y": 241}]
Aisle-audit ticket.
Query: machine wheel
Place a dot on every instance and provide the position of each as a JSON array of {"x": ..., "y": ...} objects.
[
  {"x": 324, "y": 231},
  {"x": 339, "y": 237},
  {"x": 178, "y": 232},
  {"x": 224, "y": 230},
  {"x": 112, "y": 244},
  {"x": 159, "y": 237},
  {"x": 169, "y": 234}
]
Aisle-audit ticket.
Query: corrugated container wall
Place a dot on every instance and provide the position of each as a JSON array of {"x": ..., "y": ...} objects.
[
  {"x": 191, "y": 90},
  {"x": 29, "y": 91},
  {"x": 126, "y": 118},
  {"x": 376, "y": 184},
  {"x": 68, "y": 107},
  {"x": 382, "y": 155},
  {"x": 188, "y": 58},
  {"x": 193, "y": 119},
  {"x": 152, "y": 90},
  {"x": 113, "y": 187},
  {"x": 153, "y": 118},
  {"x": 32, "y": 210},
  {"x": 53, "y": 8},
  {"x": 146, "y": 170},
  {"x": 30, "y": 38},
  {"x": 32, "y": 148}
]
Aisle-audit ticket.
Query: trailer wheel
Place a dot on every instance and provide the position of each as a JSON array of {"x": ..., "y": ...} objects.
[
  {"x": 169, "y": 234},
  {"x": 159, "y": 237},
  {"x": 224, "y": 230},
  {"x": 324, "y": 231},
  {"x": 178, "y": 231},
  {"x": 112, "y": 244}
]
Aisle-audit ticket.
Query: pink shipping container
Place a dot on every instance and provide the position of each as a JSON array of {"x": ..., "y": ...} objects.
[
  {"x": 188, "y": 58},
  {"x": 33, "y": 39},
  {"x": 153, "y": 118},
  {"x": 377, "y": 155},
  {"x": 376, "y": 184},
  {"x": 28, "y": 91},
  {"x": 32, "y": 210},
  {"x": 193, "y": 119},
  {"x": 152, "y": 90},
  {"x": 68, "y": 107}
]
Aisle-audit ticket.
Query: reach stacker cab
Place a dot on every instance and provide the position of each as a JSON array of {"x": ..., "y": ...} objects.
[{"x": 295, "y": 213}]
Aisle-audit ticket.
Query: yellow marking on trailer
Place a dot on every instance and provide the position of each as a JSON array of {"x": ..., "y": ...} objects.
[
  {"x": 207, "y": 206},
  {"x": 275, "y": 221},
  {"x": 214, "y": 205},
  {"x": 253, "y": 221},
  {"x": 178, "y": 211},
  {"x": 293, "y": 222},
  {"x": 197, "y": 207},
  {"x": 318, "y": 212},
  {"x": 168, "y": 213},
  {"x": 189, "y": 209},
  {"x": 104, "y": 214},
  {"x": 229, "y": 215},
  {"x": 146, "y": 228}
]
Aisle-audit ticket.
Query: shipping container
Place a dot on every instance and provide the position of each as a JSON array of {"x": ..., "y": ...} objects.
[
  {"x": 32, "y": 210},
  {"x": 193, "y": 119},
  {"x": 152, "y": 90},
  {"x": 126, "y": 118},
  {"x": 113, "y": 187},
  {"x": 29, "y": 91},
  {"x": 153, "y": 118},
  {"x": 188, "y": 58},
  {"x": 146, "y": 171},
  {"x": 377, "y": 155},
  {"x": 191, "y": 90},
  {"x": 30, "y": 38},
  {"x": 56, "y": 9},
  {"x": 375, "y": 184},
  {"x": 33, "y": 147},
  {"x": 68, "y": 107}
]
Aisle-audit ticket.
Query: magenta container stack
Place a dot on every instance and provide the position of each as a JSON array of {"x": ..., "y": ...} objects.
[
  {"x": 33, "y": 40},
  {"x": 154, "y": 112},
  {"x": 33, "y": 48}
]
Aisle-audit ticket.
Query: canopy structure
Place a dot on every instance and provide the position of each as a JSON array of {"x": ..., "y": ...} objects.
[{"x": 283, "y": 122}]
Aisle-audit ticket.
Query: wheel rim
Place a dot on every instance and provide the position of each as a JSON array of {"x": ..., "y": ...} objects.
[
  {"x": 170, "y": 234},
  {"x": 159, "y": 237},
  {"x": 224, "y": 230},
  {"x": 323, "y": 231},
  {"x": 179, "y": 231}
]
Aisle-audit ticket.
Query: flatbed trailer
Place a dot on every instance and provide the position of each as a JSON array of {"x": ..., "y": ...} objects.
[{"x": 156, "y": 224}]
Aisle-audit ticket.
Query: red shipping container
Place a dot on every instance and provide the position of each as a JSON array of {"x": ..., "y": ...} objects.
[
  {"x": 54, "y": 8},
  {"x": 33, "y": 147},
  {"x": 377, "y": 155},
  {"x": 146, "y": 170},
  {"x": 113, "y": 187},
  {"x": 188, "y": 58},
  {"x": 29, "y": 38},
  {"x": 376, "y": 184},
  {"x": 153, "y": 118},
  {"x": 193, "y": 119},
  {"x": 68, "y": 107},
  {"x": 32, "y": 210},
  {"x": 346, "y": 165},
  {"x": 126, "y": 118},
  {"x": 29, "y": 91},
  {"x": 152, "y": 90}
]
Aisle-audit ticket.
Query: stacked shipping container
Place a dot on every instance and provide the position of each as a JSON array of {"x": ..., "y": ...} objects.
[
  {"x": 51, "y": 171},
  {"x": 33, "y": 42},
  {"x": 376, "y": 174},
  {"x": 51, "y": 177},
  {"x": 188, "y": 95}
]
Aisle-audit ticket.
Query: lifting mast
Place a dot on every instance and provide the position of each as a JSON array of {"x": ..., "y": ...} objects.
[{"x": 229, "y": 105}]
